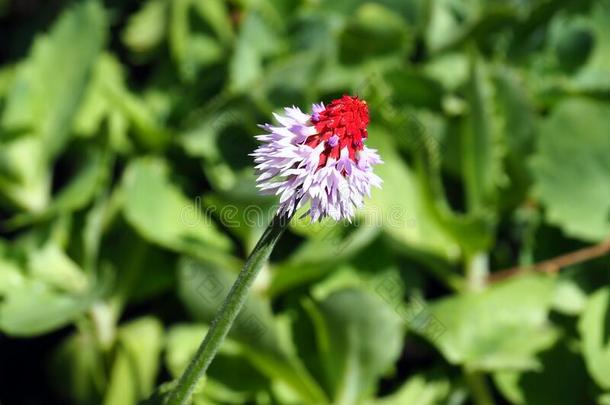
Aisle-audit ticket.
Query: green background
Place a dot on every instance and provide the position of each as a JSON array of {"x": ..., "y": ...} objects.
[{"x": 127, "y": 201}]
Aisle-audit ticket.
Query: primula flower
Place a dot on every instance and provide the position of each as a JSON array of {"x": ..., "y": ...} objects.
[{"x": 318, "y": 159}]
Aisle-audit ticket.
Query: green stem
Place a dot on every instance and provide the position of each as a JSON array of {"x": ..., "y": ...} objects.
[
  {"x": 227, "y": 313},
  {"x": 477, "y": 270},
  {"x": 478, "y": 388}
]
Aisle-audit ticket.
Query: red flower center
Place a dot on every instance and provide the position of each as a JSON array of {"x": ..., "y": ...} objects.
[{"x": 342, "y": 124}]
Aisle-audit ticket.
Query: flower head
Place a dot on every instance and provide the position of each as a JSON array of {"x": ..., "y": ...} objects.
[{"x": 318, "y": 159}]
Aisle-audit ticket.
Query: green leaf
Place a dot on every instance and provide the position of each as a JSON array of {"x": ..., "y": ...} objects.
[
  {"x": 518, "y": 119},
  {"x": 142, "y": 270},
  {"x": 572, "y": 169},
  {"x": 224, "y": 138},
  {"x": 255, "y": 41},
  {"x": 593, "y": 77},
  {"x": 450, "y": 69},
  {"x": 7, "y": 76},
  {"x": 501, "y": 327},
  {"x": 75, "y": 195},
  {"x": 34, "y": 308},
  {"x": 573, "y": 45},
  {"x": 420, "y": 389},
  {"x": 472, "y": 232},
  {"x": 559, "y": 363},
  {"x": 28, "y": 184},
  {"x": 359, "y": 337},
  {"x": 78, "y": 368},
  {"x": 146, "y": 28},
  {"x": 570, "y": 291},
  {"x": 136, "y": 362},
  {"x": 203, "y": 288},
  {"x": 46, "y": 107},
  {"x": 216, "y": 14},
  {"x": 53, "y": 267},
  {"x": 147, "y": 128},
  {"x": 593, "y": 326},
  {"x": 51, "y": 294},
  {"x": 482, "y": 143},
  {"x": 400, "y": 208},
  {"x": 109, "y": 100},
  {"x": 244, "y": 214},
  {"x": 604, "y": 399},
  {"x": 330, "y": 244},
  {"x": 364, "y": 38},
  {"x": 179, "y": 38},
  {"x": 444, "y": 25},
  {"x": 411, "y": 87},
  {"x": 191, "y": 50},
  {"x": 159, "y": 211},
  {"x": 453, "y": 23}
]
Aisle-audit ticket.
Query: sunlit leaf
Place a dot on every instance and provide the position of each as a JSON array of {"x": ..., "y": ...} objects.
[
  {"x": 399, "y": 207},
  {"x": 46, "y": 107},
  {"x": 146, "y": 29},
  {"x": 159, "y": 211},
  {"x": 593, "y": 326},
  {"x": 572, "y": 169},
  {"x": 136, "y": 362},
  {"x": 420, "y": 389},
  {"x": 255, "y": 41},
  {"x": 45, "y": 293},
  {"x": 358, "y": 337},
  {"x": 43, "y": 103},
  {"x": 501, "y": 327}
]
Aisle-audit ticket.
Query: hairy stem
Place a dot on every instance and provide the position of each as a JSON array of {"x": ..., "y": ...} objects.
[{"x": 227, "y": 313}]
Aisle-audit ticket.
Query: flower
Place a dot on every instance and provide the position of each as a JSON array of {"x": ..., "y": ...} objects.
[{"x": 318, "y": 159}]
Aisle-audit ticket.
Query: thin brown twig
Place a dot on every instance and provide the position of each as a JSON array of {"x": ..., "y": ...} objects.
[{"x": 555, "y": 264}]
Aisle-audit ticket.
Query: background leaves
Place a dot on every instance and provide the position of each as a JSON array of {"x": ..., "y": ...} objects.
[{"x": 127, "y": 201}]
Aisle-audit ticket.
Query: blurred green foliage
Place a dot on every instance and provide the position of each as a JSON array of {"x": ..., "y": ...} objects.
[{"x": 127, "y": 201}]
